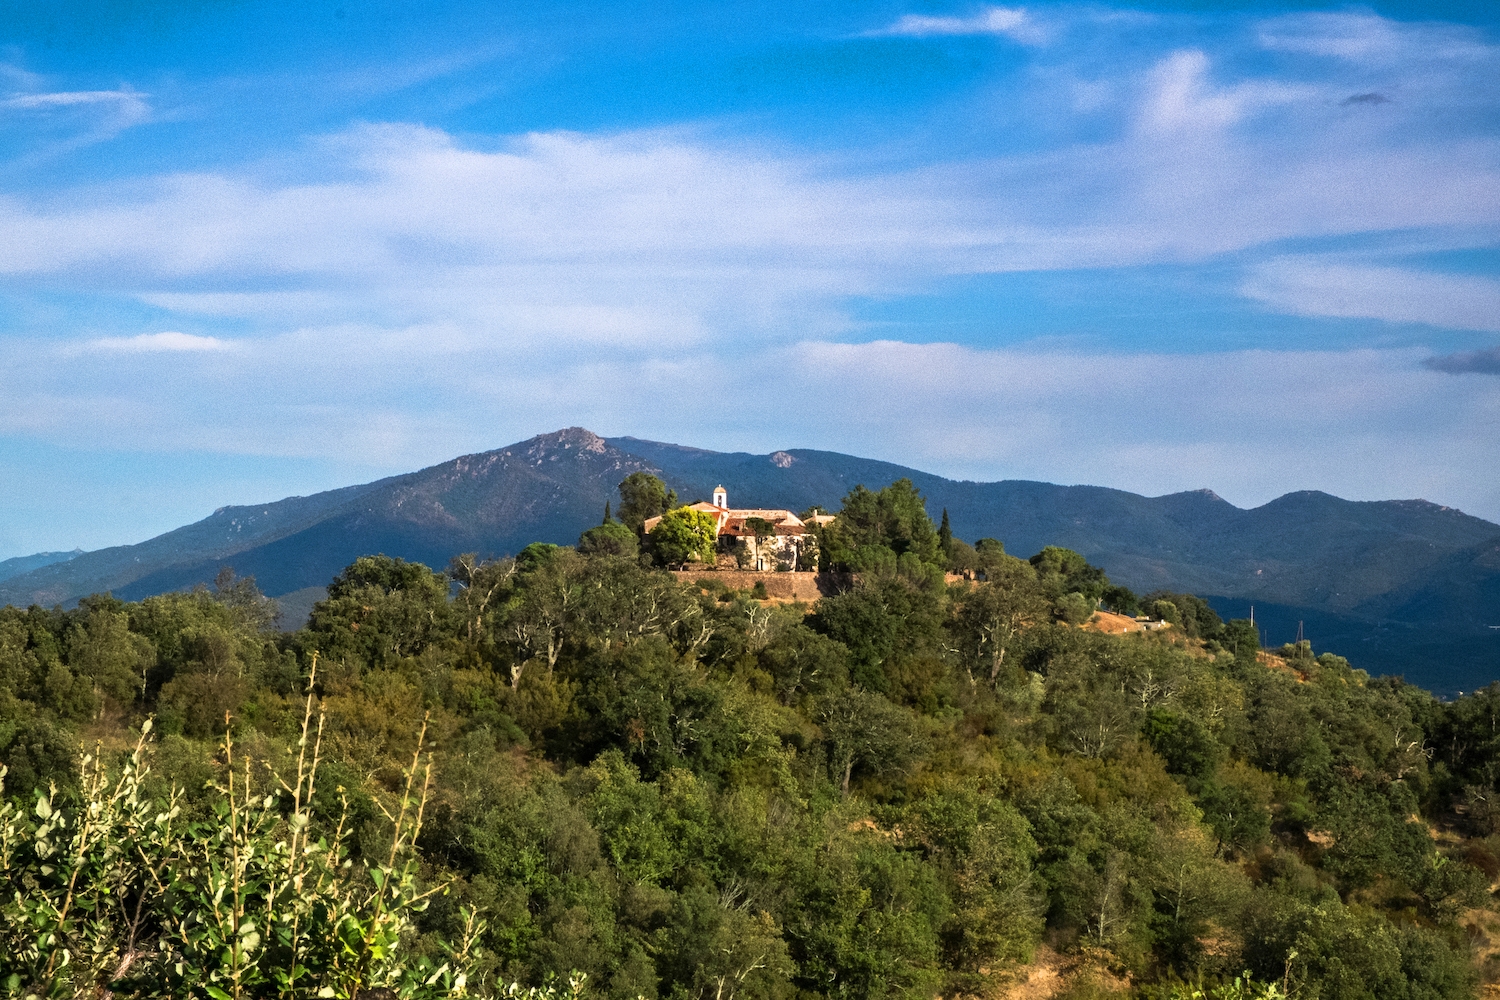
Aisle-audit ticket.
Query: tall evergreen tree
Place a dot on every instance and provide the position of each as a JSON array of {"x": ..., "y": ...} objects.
[{"x": 643, "y": 496}]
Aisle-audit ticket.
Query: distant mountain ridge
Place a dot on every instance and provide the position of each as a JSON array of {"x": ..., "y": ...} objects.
[
  {"x": 1399, "y": 586},
  {"x": 25, "y": 564}
]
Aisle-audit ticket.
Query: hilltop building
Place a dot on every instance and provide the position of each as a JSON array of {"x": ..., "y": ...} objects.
[{"x": 757, "y": 538}]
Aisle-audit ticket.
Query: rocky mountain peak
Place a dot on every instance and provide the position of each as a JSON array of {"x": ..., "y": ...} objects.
[{"x": 574, "y": 439}]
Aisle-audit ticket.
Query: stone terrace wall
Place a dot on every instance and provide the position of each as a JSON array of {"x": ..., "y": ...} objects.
[{"x": 789, "y": 586}]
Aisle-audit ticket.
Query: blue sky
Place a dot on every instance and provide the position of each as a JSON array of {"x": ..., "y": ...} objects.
[{"x": 250, "y": 250}]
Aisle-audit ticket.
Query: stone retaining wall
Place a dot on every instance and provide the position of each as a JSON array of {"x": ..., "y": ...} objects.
[{"x": 787, "y": 586}]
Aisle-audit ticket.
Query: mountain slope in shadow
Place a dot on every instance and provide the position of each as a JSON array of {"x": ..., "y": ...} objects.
[{"x": 25, "y": 564}]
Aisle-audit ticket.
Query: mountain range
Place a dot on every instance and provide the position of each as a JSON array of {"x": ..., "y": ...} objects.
[
  {"x": 25, "y": 564},
  {"x": 1398, "y": 586}
]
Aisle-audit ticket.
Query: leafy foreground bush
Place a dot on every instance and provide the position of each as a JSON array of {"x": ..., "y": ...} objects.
[
  {"x": 122, "y": 897},
  {"x": 1241, "y": 988}
]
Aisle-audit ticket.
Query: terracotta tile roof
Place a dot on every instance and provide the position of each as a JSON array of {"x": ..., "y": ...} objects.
[
  {"x": 735, "y": 525},
  {"x": 774, "y": 516},
  {"x": 732, "y": 519}
]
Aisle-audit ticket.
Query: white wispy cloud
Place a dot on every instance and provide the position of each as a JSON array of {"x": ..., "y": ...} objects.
[
  {"x": 664, "y": 225},
  {"x": 72, "y": 98},
  {"x": 1310, "y": 286},
  {"x": 169, "y": 341},
  {"x": 84, "y": 118},
  {"x": 19, "y": 76},
  {"x": 1373, "y": 40},
  {"x": 664, "y": 237},
  {"x": 1158, "y": 423},
  {"x": 1182, "y": 97},
  {"x": 1363, "y": 424},
  {"x": 1013, "y": 22}
]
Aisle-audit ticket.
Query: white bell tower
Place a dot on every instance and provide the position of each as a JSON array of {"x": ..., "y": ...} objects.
[{"x": 721, "y": 498}]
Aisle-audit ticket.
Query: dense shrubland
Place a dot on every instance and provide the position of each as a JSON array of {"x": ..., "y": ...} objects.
[{"x": 569, "y": 762}]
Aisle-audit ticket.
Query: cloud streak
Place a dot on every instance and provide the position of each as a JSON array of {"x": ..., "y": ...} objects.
[
  {"x": 1367, "y": 39},
  {"x": 1013, "y": 22},
  {"x": 669, "y": 236},
  {"x": 660, "y": 237},
  {"x": 169, "y": 341},
  {"x": 67, "y": 99},
  {"x": 1312, "y": 287},
  {"x": 1363, "y": 424},
  {"x": 1182, "y": 97},
  {"x": 86, "y": 117}
]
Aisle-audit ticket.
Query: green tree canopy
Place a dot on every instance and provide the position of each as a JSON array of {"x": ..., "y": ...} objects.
[
  {"x": 381, "y": 607},
  {"x": 1194, "y": 615},
  {"x": 990, "y": 552},
  {"x": 1121, "y": 600},
  {"x": 684, "y": 535},
  {"x": 612, "y": 538},
  {"x": 643, "y": 496},
  {"x": 895, "y": 517},
  {"x": 1063, "y": 571},
  {"x": 893, "y": 520}
]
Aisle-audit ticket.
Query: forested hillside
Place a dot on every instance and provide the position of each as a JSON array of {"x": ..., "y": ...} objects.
[
  {"x": 1399, "y": 586},
  {"x": 570, "y": 761}
]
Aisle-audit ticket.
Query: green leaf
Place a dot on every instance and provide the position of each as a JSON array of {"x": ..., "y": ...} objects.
[{"x": 217, "y": 993}]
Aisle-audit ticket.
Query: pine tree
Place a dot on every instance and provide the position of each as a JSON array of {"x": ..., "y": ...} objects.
[
  {"x": 606, "y": 513},
  {"x": 945, "y": 534}
]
